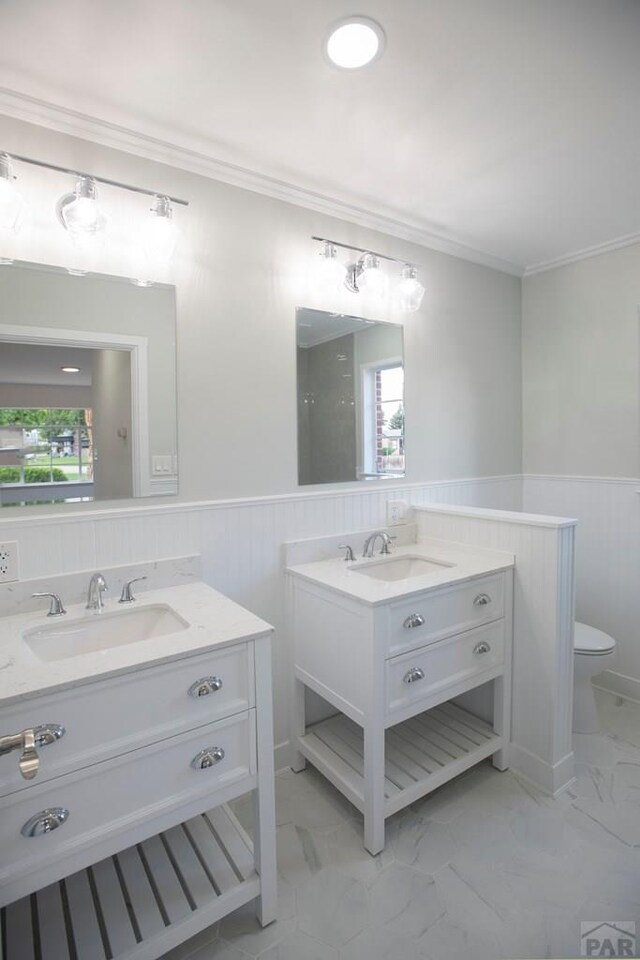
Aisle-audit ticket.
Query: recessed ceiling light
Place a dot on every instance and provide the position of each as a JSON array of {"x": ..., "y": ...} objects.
[
  {"x": 354, "y": 42},
  {"x": 70, "y": 369}
]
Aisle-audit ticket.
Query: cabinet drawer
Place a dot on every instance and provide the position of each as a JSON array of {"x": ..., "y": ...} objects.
[
  {"x": 109, "y": 717},
  {"x": 430, "y": 616},
  {"x": 118, "y": 794},
  {"x": 422, "y": 673}
]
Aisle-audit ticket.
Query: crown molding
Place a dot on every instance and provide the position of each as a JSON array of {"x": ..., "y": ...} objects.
[
  {"x": 21, "y": 106},
  {"x": 627, "y": 241}
]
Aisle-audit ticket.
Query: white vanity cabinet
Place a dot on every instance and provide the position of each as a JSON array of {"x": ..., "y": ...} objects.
[
  {"x": 392, "y": 667},
  {"x": 123, "y": 845}
]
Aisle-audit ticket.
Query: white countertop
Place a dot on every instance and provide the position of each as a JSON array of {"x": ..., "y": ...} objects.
[
  {"x": 214, "y": 621},
  {"x": 343, "y": 577}
]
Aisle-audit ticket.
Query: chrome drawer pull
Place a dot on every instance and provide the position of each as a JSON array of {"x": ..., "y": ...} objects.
[
  {"x": 205, "y": 686},
  {"x": 25, "y": 741},
  {"x": 45, "y": 822},
  {"x": 207, "y": 758},
  {"x": 416, "y": 673},
  {"x": 48, "y": 733},
  {"x": 481, "y": 600},
  {"x": 482, "y": 647},
  {"x": 413, "y": 620}
]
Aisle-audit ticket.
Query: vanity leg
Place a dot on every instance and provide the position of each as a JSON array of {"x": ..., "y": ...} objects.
[
  {"x": 298, "y": 725},
  {"x": 374, "y": 790},
  {"x": 501, "y": 720},
  {"x": 264, "y": 807},
  {"x": 502, "y": 686}
]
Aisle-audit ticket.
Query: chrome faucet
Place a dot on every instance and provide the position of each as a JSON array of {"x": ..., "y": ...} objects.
[
  {"x": 367, "y": 550},
  {"x": 97, "y": 586}
]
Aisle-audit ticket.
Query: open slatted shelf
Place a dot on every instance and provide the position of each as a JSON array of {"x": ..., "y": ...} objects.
[
  {"x": 140, "y": 902},
  {"x": 420, "y": 754}
]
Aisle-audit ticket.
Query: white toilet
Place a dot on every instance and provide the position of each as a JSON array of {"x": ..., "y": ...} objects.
[{"x": 593, "y": 651}]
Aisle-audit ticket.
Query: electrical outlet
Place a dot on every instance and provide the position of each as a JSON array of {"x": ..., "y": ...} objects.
[
  {"x": 9, "y": 562},
  {"x": 397, "y": 511}
]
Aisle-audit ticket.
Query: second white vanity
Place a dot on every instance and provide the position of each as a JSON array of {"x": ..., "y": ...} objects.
[
  {"x": 390, "y": 641},
  {"x": 134, "y": 727}
]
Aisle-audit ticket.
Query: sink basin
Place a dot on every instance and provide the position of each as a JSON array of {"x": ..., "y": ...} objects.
[
  {"x": 399, "y": 568},
  {"x": 96, "y": 632}
]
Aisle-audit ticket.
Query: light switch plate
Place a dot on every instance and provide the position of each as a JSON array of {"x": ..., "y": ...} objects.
[
  {"x": 9, "y": 571},
  {"x": 161, "y": 465},
  {"x": 397, "y": 512}
]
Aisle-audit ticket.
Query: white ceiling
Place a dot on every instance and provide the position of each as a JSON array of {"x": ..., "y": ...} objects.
[
  {"x": 30, "y": 363},
  {"x": 510, "y": 126},
  {"x": 317, "y": 326}
]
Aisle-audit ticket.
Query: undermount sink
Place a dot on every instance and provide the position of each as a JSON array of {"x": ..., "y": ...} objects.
[
  {"x": 96, "y": 632},
  {"x": 399, "y": 568}
]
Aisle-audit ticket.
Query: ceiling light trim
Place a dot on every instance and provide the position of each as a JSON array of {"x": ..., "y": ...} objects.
[
  {"x": 23, "y": 107},
  {"x": 357, "y": 20}
]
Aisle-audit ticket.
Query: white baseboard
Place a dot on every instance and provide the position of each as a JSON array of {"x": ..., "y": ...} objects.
[
  {"x": 282, "y": 755},
  {"x": 618, "y": 683},
  {"x": 552, "y": 779}
]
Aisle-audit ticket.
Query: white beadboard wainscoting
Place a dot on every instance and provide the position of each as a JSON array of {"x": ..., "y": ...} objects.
[
  {"x": 543, "y": 614},
  {"x": 607, "y": 561},
  {"x": 240, "y": 542}
]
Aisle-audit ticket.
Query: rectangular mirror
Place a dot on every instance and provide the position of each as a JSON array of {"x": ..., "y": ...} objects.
[
  {"x": 87, "y": 387},
  {"x": 350, "y": 398}
]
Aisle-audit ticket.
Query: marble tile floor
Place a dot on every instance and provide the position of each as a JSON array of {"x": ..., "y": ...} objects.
[{"x": 486, "y": 867}]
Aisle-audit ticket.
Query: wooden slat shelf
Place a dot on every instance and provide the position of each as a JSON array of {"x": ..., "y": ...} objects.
[
  {"x": 141, "y": 901},
  {"x": 421, "y": 754}
]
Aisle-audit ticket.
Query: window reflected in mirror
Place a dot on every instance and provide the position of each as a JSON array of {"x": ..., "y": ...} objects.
[{"x": 350, "y": 398}]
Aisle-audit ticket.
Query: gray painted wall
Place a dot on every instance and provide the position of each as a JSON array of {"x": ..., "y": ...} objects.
[
  {"x": 243, "y": 268},
  {"x": 581, "y": 371}
]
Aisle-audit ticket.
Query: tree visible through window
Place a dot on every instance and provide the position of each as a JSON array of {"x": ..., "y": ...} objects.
[{"x": 44, "y": 445}]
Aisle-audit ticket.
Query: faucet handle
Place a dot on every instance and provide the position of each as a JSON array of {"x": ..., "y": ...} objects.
[
  {"x": 55, "y": 606},
  {"x": 386, "y": 542},
  {"x": 127, "y": 596},
  {"x": 349, "y": 550}
]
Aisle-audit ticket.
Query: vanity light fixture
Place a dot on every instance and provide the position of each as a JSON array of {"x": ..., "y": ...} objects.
[
  {"x": 70, "y": 369},
  {"x": 366, "y": 276},
  {"x": 369, "y": 278},
  {"x": 409, "y": 291},
  {"x": 84, "y": 219},
  {"x": 79, "y": 212},
  {"x": 331, "y": 272},
  {"x": 354, "y": 42},
  {"x": 12, "y": 204},
  {"x": 159, "y": 234}
]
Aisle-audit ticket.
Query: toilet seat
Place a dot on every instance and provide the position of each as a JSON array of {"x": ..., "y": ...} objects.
[{"x": 588, "y": 641}]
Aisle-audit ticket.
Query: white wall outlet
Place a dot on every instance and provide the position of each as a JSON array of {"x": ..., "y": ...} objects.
[
  {"x": 397, "y": 512},
  {"x": 9, "y": 562}
]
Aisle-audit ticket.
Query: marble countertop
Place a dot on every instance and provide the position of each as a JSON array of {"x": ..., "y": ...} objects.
[
  {"x": 214, "y": 621},
  {"x": 463, "y": 563}
]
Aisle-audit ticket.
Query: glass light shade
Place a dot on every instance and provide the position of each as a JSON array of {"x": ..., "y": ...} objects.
[
  {"x": 330, "y": 271},
  {"x": 12, "y": 205},
  {"x": 372, "y": 280},
  {"x": 409, "y": 291},
  {"x": 154, "y": 243},
  {"x": 82, "y": 216},
  {"x": 159, "y": 234},
  {"x": 354, "y": 42}
]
